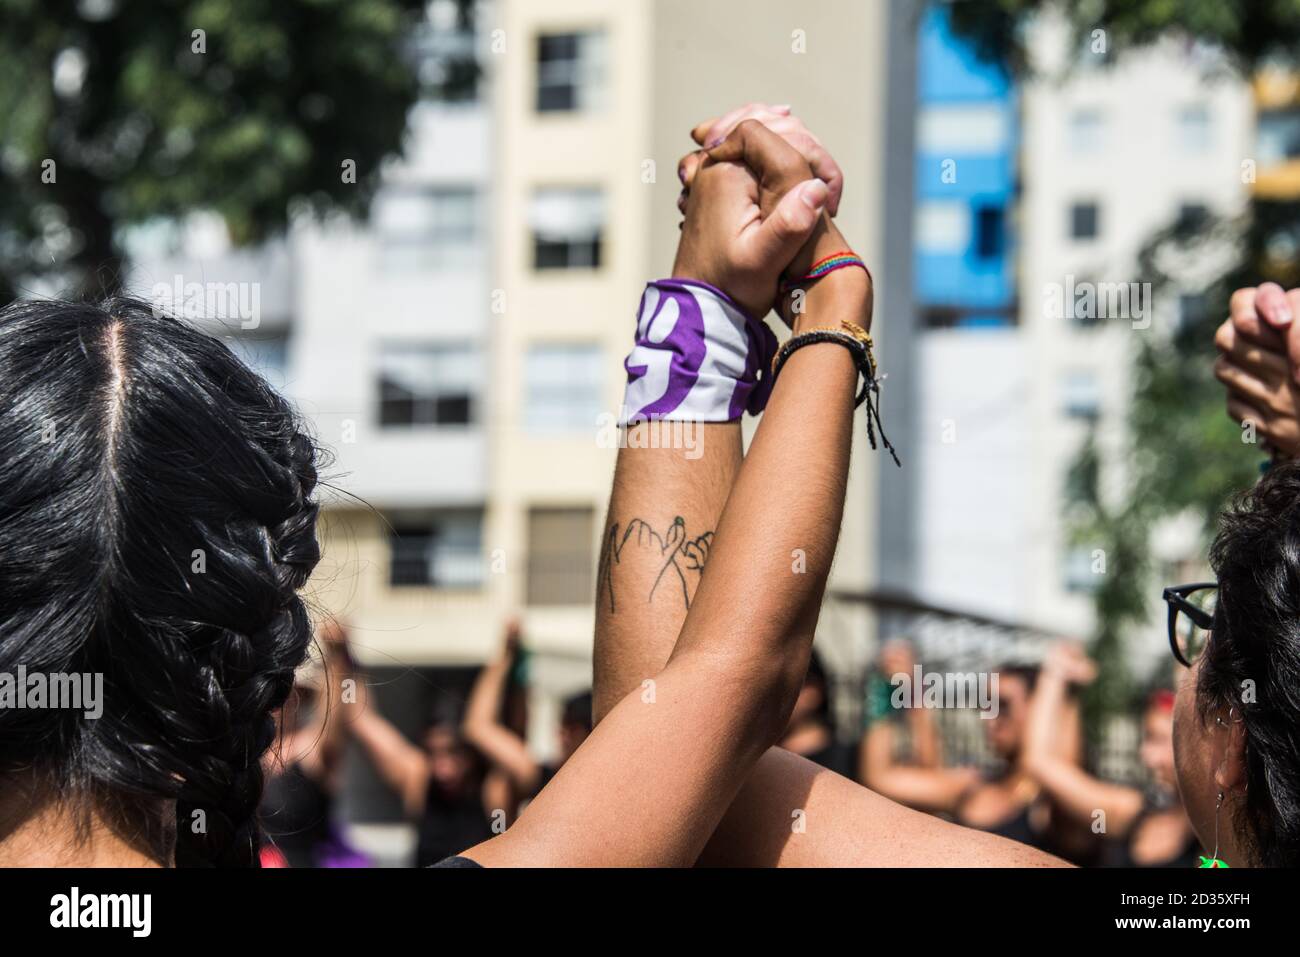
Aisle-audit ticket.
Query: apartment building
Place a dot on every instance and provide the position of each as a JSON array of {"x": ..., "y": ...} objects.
[
  {"x": 461, "y": 352},
  {"x": 1112, "y": 147},
  {"x": 1276, "y": 156},
  {"x": 1113, "y": 153},
  {"x": 594, "y": 102},
  {"x": 972, "y": 456}
]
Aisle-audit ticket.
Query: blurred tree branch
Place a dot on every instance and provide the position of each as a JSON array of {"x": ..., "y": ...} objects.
[
  {"x": 1181, "y": 455},
  {"x": 115, "y": 113},
  {"x": 1250, "y": 33}
]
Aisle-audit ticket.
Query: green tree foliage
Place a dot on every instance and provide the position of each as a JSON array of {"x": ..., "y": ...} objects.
[
  {"x": 1250, "y": 32},
  {"x": 115, "y": 113},
  {"x": 1181, "y": 455}
]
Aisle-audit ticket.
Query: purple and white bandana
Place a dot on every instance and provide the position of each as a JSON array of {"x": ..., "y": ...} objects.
[{"x": 698, "y": 357}]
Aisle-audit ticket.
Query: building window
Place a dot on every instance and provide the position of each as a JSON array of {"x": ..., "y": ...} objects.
[
  {"x": 940, "y": 317},
  {"x": 428, "y": 385},
  {"x": 988, "y": 232},
  {"x": 442, "y": 549},
  {"x": 1087, "y": 131},
  {"x": 567, "y": 227},
  {"x": 421, "y": 229},
  {"x": 571, "y": 70},
  {"x": 564, "y": 384},
  {"x": 1192, "y": 215},
  {"x": 1194, "y": 128},
  {"x": 1081, "y": 396},
  {"x": 942, "y": 227},
  {"x": 1277, "y": 136},
  {"x": 969, "y": 129},
  {"x": 1085, "y": 221},
  {"x": 442, "y": 51},
  {"x": 560, "y": 556}
]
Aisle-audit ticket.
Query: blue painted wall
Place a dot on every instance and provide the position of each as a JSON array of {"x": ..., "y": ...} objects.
[{"x": 970, "y": 111}]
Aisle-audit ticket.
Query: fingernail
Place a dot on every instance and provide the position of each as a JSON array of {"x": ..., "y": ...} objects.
[
  {"x": 814, "y": 194},
  {"x": 681, "y": 175},
  {"x": 716, "y": 142},
  {"x": 783, "y": 108},
  {"x": 1284, "y": 315}
]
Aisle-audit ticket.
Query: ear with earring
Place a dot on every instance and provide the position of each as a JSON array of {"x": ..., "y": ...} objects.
[{"x": 1213, "y": 859}]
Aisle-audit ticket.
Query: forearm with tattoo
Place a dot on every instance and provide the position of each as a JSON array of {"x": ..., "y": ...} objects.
[{"x": 683, "y": 558}]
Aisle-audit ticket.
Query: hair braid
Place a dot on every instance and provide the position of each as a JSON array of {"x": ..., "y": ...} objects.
[
  {"x": 245, "y": 678},
  {"x": 157, "y": 522}
]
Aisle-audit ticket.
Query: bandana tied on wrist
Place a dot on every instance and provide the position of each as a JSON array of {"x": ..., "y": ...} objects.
[{"x": 698, "y": 357}]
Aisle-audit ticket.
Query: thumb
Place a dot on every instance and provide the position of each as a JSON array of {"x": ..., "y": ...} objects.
[
  {"x": 1292, "y": 333},
  {"x": 1271, "y": 303},
  {"x": 780, "y": 235}
]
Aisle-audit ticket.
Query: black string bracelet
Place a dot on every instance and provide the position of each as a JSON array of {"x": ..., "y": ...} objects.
[{"x": 865, "y": 363}]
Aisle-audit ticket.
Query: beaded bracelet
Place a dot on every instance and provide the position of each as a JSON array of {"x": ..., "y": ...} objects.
[{"x": 858, "y": 341}]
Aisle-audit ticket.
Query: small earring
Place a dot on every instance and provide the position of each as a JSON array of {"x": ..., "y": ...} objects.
[{"x": 1213, "y": 859}]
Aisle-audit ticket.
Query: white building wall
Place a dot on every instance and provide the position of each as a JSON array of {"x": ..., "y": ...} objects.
[
  {"x": 1140, "y": 160},
  {"x": 973, "y": 469},
  {"x": 998, "y": 440}
]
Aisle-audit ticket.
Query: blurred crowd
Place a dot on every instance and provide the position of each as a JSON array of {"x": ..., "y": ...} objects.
[{"x": 472, "y": 771}]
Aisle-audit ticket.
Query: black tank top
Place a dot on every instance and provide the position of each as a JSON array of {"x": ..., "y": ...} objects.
[
  {"x": 450, "y": 825},
  {"x": 295, "y": 813}
]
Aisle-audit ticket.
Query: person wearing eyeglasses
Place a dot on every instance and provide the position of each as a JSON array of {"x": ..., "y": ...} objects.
[
  {"x": 1237, "y": 636},
  {"x": 1139, "y": 827},
  {"x": 1237, "y": 711}
]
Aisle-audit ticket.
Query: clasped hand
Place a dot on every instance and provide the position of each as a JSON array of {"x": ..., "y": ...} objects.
[{"x": 758, "y": 201}]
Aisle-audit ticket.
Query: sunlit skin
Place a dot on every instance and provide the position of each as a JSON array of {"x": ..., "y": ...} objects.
[
  {"x": 1209, "y": 757},
  {"x": 571, "y": 737}
]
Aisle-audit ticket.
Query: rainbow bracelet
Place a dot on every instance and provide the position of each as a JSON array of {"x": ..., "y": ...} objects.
[{"x": 827, "y": 265}]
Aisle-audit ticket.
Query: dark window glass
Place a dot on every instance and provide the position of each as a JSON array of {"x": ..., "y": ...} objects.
[
  {"x": 1084, "y": 221},
  {"x": 988, "y": 232}
]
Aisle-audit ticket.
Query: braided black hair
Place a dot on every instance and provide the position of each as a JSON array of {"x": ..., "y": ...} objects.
[
  {"x": 156, "y": 524},
  {"x": 1252, "y": 660}
]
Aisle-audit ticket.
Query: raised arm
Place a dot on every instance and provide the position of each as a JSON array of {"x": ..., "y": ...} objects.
[
  {"x": 636, "y": 631},
  {"x": 923, "y": 783},
  {"x": 328, "y": 731},
  {"x": 938, "y": 790},
  {"x": 482, "y": 726},
  {"x": 401, "y": 765},
  {"x": 1072, "y": 789},
  {"x": 652, "y": 781}
]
